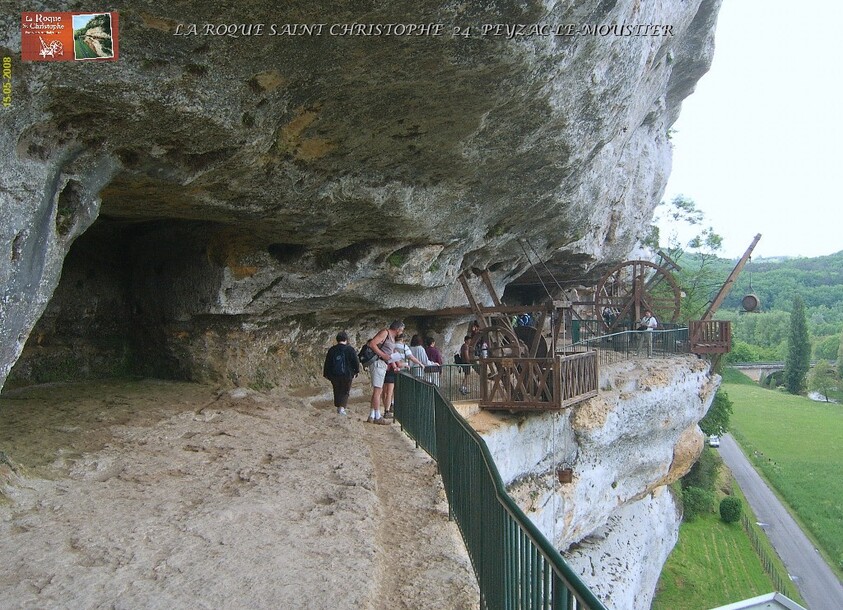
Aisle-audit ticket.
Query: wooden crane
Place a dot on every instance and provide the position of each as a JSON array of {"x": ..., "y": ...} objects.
[
  {"x": 727, "y": 286},
  {"x": 714, "y": 337}
]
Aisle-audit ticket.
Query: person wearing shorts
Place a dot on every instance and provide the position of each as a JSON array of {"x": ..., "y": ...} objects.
[{"x": 383, "y": 345}]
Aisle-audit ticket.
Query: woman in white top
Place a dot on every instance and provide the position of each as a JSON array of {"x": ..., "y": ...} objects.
[
  {"x": 401, "y": 357},
  {"x": 417, "y": 349}
]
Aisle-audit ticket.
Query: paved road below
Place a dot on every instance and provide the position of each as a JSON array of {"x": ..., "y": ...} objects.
[{"x": 816, "y": 582}]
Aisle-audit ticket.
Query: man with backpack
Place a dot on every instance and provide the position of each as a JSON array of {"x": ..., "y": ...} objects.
[
  {"x": 383, "y": 346},
  {"x": 341, "y": 366}
]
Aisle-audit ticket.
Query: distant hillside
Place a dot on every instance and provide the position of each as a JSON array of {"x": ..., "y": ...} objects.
[
  {"x": 819, "y": 281},
  {"x": 775, "y": 281}
]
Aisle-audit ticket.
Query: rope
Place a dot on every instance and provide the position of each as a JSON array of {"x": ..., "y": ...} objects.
[
  {"x": 533, "y": 267},
  {"x": 749, "y": 260},
  {"x": 546, "y": 268}
]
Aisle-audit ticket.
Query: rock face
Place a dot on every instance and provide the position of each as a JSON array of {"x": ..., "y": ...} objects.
[
  {"x": 616, "y": 518},
  {"x": 244, "y": 184},
  {"x": 216, "y": 207}
]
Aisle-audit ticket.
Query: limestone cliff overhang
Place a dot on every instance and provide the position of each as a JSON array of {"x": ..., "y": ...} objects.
[{"x": 349, "y": 172}]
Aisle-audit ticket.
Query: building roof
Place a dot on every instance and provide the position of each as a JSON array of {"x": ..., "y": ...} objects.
[{"x": 770, "y": 601}]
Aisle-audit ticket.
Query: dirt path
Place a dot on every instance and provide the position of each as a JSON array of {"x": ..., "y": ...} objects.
[
  {"x": 424, "y": 564},
  {"x": 156, "y": 494}
]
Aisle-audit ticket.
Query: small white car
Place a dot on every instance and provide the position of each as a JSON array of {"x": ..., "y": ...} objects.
[{"x": 713, "y": 441}]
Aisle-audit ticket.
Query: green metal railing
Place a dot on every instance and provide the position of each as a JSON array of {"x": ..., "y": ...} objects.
[
  {"x": 455, "y": 381},
  {"x": 517, "y": 568},
  {"x": 626, "y": 345}
]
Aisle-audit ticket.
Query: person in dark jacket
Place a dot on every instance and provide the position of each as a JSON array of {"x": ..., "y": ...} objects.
[{"x": 341, "y": 366}]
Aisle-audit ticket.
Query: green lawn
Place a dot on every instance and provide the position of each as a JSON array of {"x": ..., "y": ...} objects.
[
  {"x": 799, "y": 449},
  {"x": 798, "y": 446},
  {"x": 713, "y": 564}
]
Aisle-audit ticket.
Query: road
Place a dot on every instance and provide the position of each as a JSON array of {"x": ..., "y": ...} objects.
[{"x": 816, "y": 582}]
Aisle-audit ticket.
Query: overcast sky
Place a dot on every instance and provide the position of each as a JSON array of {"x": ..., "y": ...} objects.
[{"x": 757, "y": 145}]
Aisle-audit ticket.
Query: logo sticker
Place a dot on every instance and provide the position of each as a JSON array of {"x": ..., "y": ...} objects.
[{"x": 69, "y": 36}]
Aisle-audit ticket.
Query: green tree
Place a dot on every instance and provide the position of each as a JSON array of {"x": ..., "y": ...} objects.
[
  {"x": 701, "y": 274},
  {"x": 730, "y": 509},
  {"x": 744, "y": 352},
  {"x": 822, "y": 379},
  {"x": 798, "y": 359},
  {"x": 716, "y": 421},
  {"x": 840, "y": 358},
  {"x": 826, "y": 348}
]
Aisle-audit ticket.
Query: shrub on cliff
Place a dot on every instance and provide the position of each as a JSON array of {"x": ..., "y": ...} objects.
[
  {"x": 716, "y": 421},
  {"x": 703, "y": 473},
  {"x": 730, "y": 509}
]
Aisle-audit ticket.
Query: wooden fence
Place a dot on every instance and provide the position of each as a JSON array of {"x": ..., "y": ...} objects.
[
  {"x": 537, "y": 383},
  {"x": 710, "y": 336}
]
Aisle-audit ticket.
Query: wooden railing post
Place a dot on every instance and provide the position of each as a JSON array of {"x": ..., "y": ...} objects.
[{"x": 710, "y": 336}]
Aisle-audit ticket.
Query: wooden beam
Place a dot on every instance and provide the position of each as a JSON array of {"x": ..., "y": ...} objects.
[
  {"x": 490, "y": 287},
  {"x": 475, "y": 307},
  {"x": 671, "y": 264},
  {"x": 467, "y": 311},
  {"x": 730, "y": 282}
]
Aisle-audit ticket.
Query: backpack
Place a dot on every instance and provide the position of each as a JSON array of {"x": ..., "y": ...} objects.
[
  {"x": 367, "y": 355},
  {"x": 458, "y": 358},
  {"x": 338, "y": 366}
]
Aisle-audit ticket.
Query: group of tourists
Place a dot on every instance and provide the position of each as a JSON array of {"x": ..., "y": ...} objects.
[
  {"x": 421, "y": 357},
  {"x": 391, "y": 355}
]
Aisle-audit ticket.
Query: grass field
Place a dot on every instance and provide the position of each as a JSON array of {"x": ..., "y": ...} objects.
[
  {"x": 713, "y": 564},
  {"x": 798, "y": 446}
]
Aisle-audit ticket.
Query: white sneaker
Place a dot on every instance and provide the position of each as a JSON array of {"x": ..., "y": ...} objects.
[{"x": 342, "y": 411}]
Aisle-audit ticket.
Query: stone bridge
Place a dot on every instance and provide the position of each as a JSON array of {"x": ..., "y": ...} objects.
[{"x": 754, "y": 370}]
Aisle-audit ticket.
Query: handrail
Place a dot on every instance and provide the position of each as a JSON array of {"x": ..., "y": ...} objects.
[
  {"x": 538, "y": 383},
  {"x": 515, "y": 565},
  {"x": 680, "y": 331},
  {"x": 632, "y": 343}
]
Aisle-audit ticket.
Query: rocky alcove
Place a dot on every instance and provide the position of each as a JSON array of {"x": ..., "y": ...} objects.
[{"x": 125, "y": 285}]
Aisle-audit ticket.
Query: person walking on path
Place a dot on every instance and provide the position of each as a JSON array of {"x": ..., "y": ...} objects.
[
  {"x": 646, "y": 325},
  {"x": 340, "y": 368},
  {"x": 383, "y": 344}
]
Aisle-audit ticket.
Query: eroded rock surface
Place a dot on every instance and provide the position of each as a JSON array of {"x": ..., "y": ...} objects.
[
  {"x": 249, "y": 180},
  {"x": 624, "y": 448},
  {"x": 217, "y": 207}
]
